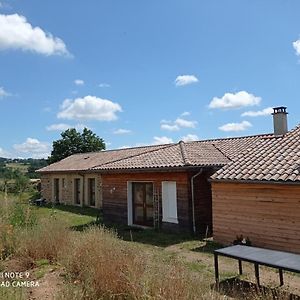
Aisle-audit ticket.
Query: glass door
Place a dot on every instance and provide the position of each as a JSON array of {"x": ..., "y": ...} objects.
[{"x": 142, "y": 193}]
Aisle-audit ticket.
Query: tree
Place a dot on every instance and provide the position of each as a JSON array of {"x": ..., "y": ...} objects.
[{"x": 73, "y": 142}]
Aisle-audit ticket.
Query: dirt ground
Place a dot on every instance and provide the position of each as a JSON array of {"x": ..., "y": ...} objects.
[{"x": 49, "y": 286}]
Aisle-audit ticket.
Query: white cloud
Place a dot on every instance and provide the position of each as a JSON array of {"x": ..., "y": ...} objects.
[
  {"x": 162, "y": 140},
  {"x": 237, "y": 100},
  {"x": 236, "y": 126},
  {"x": 185, "y": 114},
  {"x": 104, "y": 85},
  {"x": 3, "y": 92},
  {"x": 264, "y": 112},
  {"x": 177, "y": 124},
  {"x": 33, "y": 148},
  {"x": 89, "y": 108},
  {"x": 4, "y": 153},
  {"x": 182, "y": 80},
  {"x": 122, "y": 131},
  {"x": 169, "y": 127},
  {"x": 63, "y": 127},
  {"x": 296, "y": 46},
  {"x": 190, "y": 138},
  {"x": 17, "y": 33},
  {"x": 79, "y": 82},
  {"x": 185, "y": 123}
]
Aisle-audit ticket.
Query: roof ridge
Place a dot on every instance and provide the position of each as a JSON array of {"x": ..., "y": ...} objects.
[
  {"x": 131, "y": 156},
  {"x": 233, "y": 138},
  {"x": 221, "y": 152},
  {"x": 184, "y": 153}
]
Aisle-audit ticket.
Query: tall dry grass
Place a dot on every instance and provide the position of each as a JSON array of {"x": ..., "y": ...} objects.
[
  {"x": 46, "y": 240},
  {"x": 104, "y": 267}
]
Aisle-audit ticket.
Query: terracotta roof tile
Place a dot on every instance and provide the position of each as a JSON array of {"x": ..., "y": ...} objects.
[
  {"x": 216, "y": 152},
  {"x": 273, "y": 158}
]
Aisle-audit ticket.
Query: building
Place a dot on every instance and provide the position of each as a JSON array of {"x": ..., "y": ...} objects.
[
  {"x": 258, "y": 194},
  {"x": 163, "y": 186}
]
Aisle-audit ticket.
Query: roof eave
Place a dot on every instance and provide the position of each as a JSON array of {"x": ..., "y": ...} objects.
[{"x": 287, "y": 182}]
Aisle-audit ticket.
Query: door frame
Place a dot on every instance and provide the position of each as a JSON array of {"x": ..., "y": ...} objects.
[{"x": 130, "y": 203}]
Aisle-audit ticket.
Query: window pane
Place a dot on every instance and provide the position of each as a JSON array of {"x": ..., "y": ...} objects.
[
  {"x": 149, "y": 194},
  {"x": 139, "y": 214},
  {"x": 138, "y": 191}
]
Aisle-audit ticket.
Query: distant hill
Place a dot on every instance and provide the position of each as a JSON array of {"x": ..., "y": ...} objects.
[{"x": 26, "y": 166}]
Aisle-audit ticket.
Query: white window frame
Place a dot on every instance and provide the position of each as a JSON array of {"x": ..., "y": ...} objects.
[{"x": 169, "y": 202}]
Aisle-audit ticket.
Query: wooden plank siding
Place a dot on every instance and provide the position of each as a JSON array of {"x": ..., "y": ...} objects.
[
  {"x": 269, "y": 214},
  {"x": 115, "y": 194}
]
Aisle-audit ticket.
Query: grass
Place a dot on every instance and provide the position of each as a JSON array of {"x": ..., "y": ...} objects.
[{"x": 112, "y": 262}]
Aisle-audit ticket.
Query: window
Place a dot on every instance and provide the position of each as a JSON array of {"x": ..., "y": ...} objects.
[
  {"x": 56, "y": 190},
  {"x": 77, "y": 190},
  {"x": 169, "y": 202},
  {"x": 92, "y": 191}
]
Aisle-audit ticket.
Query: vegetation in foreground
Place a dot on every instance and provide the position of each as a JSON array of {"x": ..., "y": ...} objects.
[{"x": 94, "y": 263}]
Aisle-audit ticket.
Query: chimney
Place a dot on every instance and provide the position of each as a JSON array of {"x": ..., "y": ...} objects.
[{"x": 280, "y": 120}]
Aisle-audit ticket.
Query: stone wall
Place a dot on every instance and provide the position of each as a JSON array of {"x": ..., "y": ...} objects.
[{"x": 66, "y": 188}]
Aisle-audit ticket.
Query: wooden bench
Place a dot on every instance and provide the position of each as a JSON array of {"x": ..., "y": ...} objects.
[{"x": 259, "y": 256}]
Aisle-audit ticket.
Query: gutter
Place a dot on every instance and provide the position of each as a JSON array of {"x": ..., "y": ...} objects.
[
  {"x": 193, "y": 199},
  {"x": 270, "y": 182}
]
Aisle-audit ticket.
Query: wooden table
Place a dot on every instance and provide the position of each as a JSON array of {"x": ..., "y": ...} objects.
[{"x": 258, "y": 256}]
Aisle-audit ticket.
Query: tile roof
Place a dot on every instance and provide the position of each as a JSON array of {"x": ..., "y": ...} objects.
[
  {"x": 275, "y": 158},
  {"x": 216, "y": 152}
]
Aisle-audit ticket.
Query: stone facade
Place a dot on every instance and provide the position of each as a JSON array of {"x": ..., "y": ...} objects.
[{"x": 66, "y": 186}]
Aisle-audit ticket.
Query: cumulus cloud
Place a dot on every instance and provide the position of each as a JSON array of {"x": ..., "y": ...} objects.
[
  {"x": 264, "y": 112},
  {"x": 177, "y": 124},
  {"x": 63, "y": 127},
  {"x": 185, "y": 123},
  {"x": 89, "y": 108},
  {"x": 237, "y": 100},
  {"x": 162, "y": 140},
  {"x": 182, "y": 80},
  {"x": 33, "y": 148},
  {"x": 296, "y": 46},
  {"x": 185, "y": 114},
  {"x": 4, "y": 153},
  {"x": 79, "y": 82},
  {"x": 236, "y": 126},
  {"x": 3, "y": 92},
  {"x": 17, "y": 33},
  {"x": 121, "y": 131},
  {"x": 190, "y": 138},
  {"x": 104, "y": 85}
]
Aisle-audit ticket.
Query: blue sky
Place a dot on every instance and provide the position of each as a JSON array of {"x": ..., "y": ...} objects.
[{"x": 144, "y": 72}]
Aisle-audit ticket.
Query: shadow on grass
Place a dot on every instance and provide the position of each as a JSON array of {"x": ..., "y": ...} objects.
[
  {"x": 241, "y": 289},
  {"x": 128, "y": 233},
  {"x": 150, "y": 236},
  {"x": 209, "y": 247},
  {"x": 86, "y": 211}
]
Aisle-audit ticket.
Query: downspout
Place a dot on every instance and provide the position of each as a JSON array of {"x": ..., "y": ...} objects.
[{"x": 193, "y": 199}]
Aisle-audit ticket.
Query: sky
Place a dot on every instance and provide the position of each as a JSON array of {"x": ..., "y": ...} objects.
[{"x": 145, "y": 72}]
